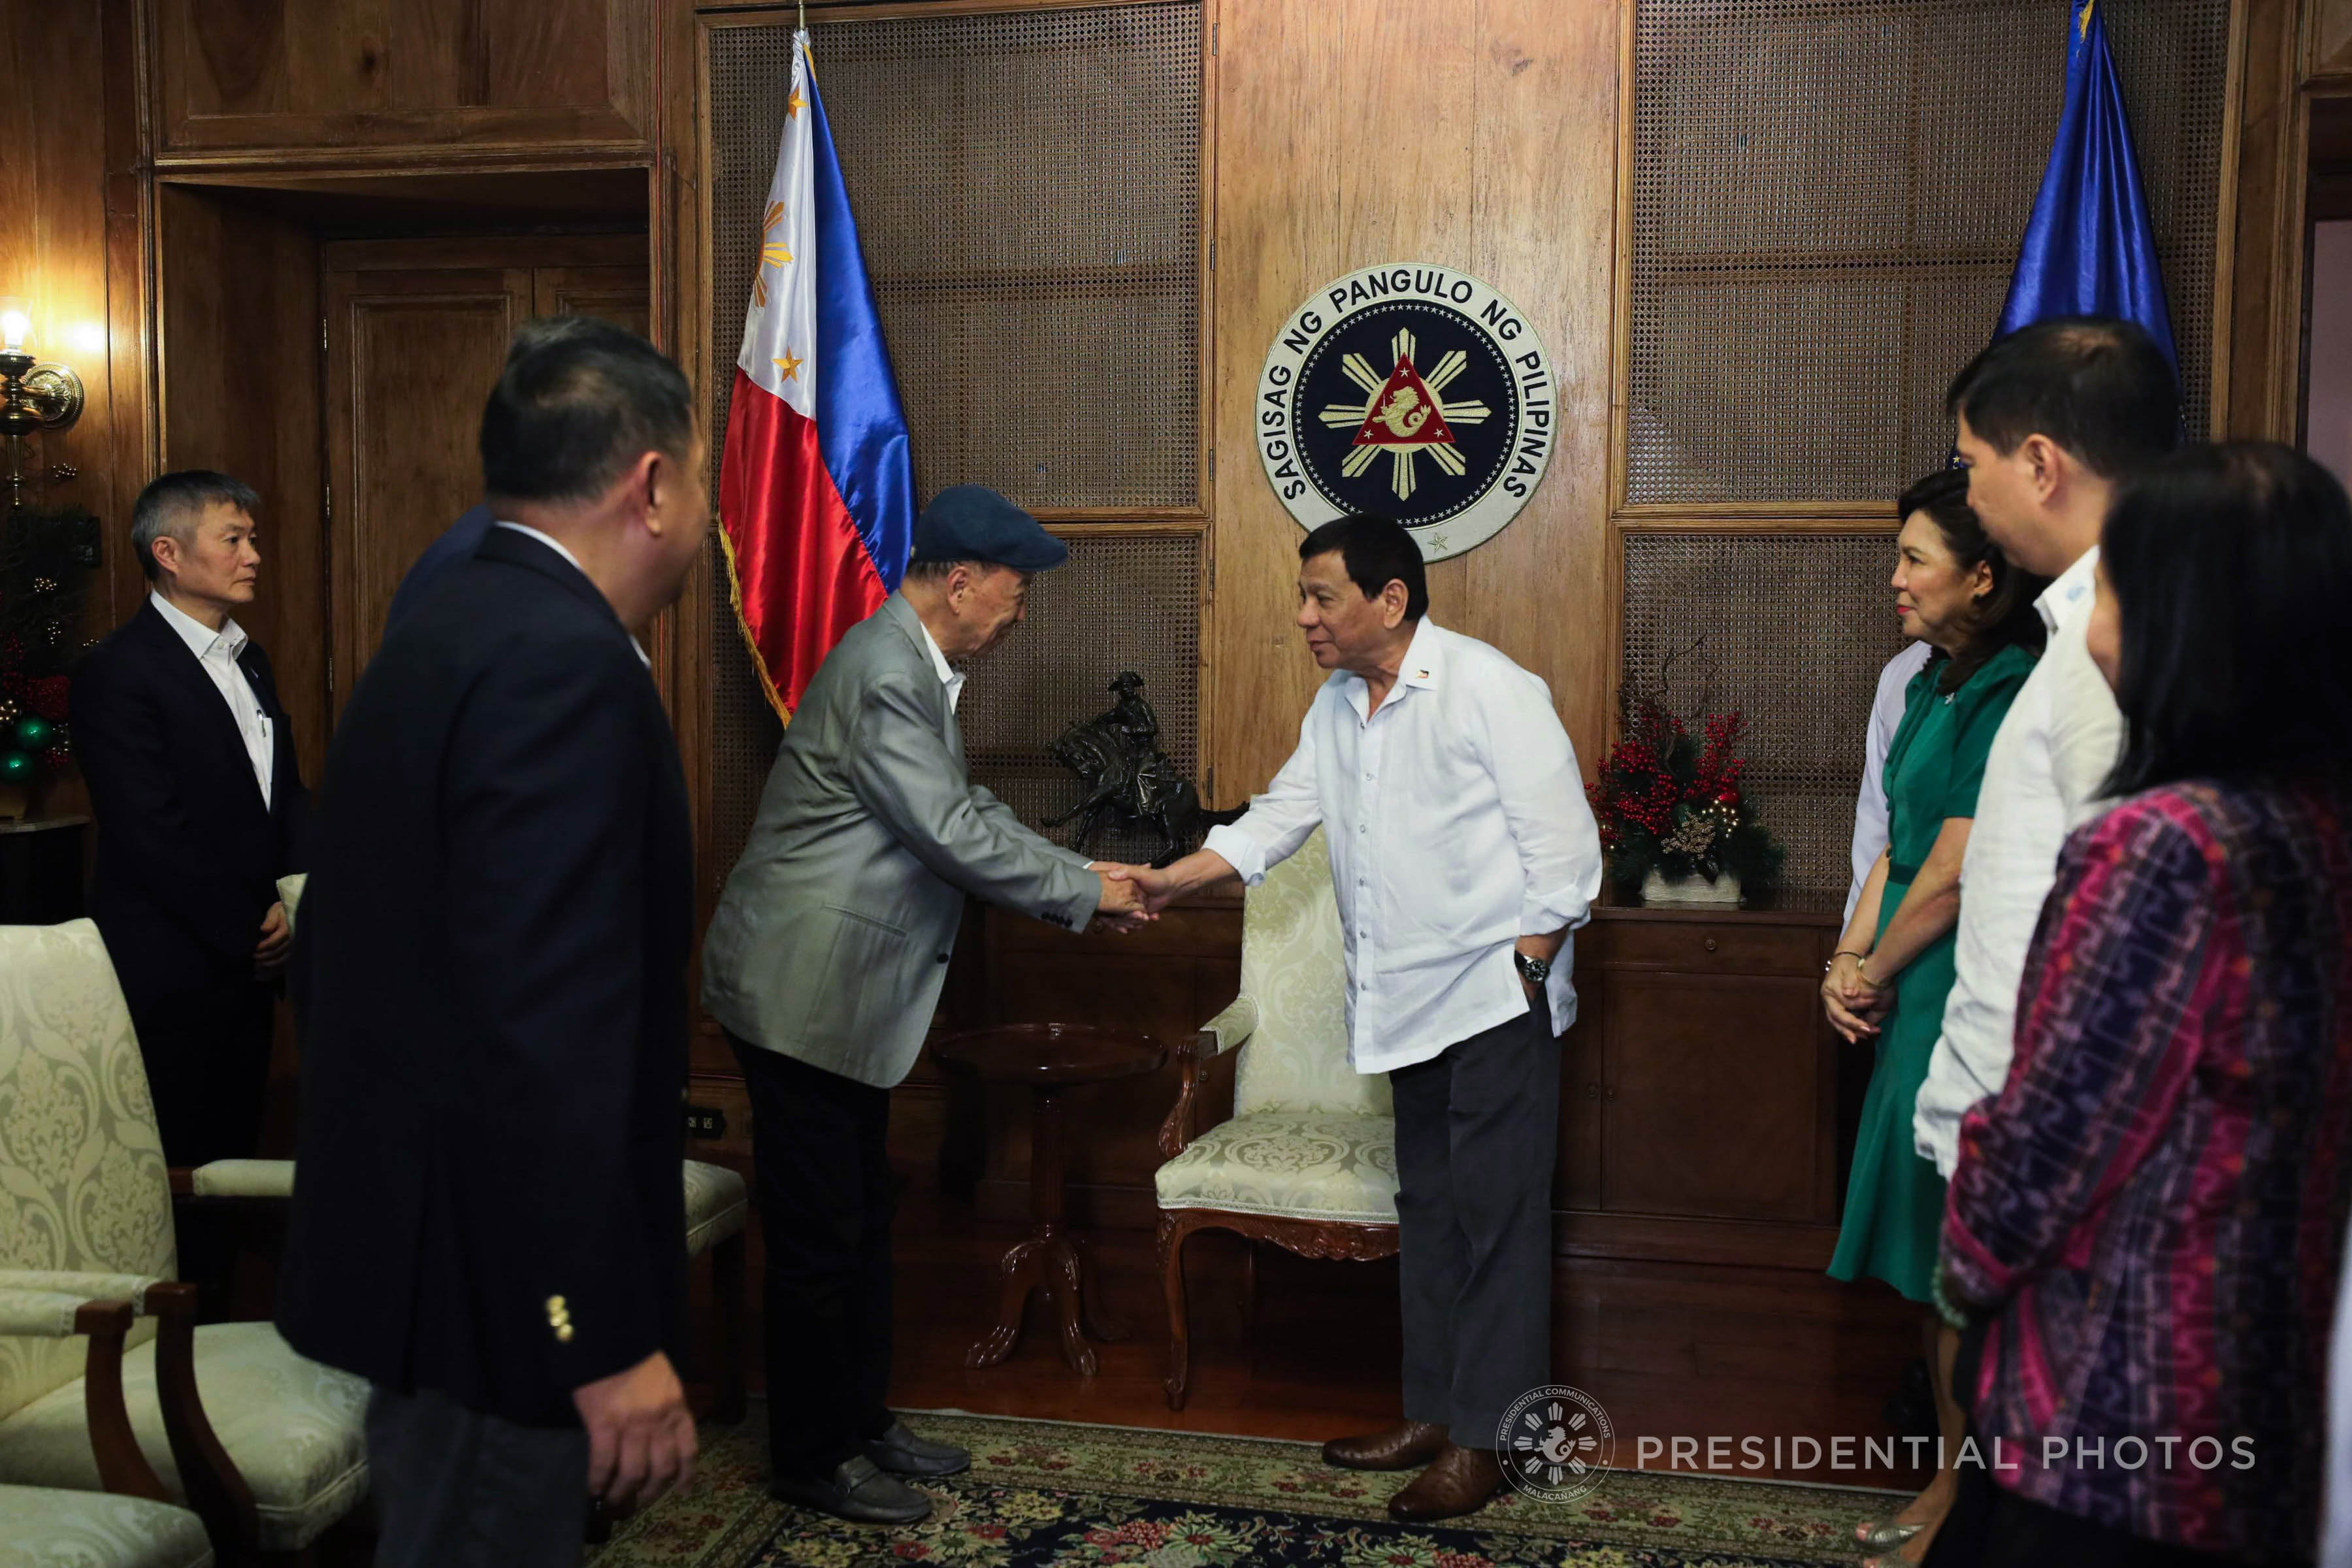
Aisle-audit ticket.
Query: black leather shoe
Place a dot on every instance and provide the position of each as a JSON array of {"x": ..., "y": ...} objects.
[
  {"x": 899, "y": 1452},
  {"x": 857, "y": 1491}
]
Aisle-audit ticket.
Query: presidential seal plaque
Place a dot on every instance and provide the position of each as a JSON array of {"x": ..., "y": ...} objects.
[{"x": 1412, "y": 391}]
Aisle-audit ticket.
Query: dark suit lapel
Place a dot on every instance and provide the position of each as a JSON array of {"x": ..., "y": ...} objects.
[{"x": 184, "y": 675}]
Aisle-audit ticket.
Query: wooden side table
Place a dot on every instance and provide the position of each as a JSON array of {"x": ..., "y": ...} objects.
[{"x": 1049, "y": 1059}]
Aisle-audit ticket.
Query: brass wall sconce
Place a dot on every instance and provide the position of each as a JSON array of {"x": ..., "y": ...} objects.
[{"x": 33, "y": 395}]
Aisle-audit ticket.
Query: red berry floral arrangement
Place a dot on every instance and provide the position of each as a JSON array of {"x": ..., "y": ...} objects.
[{"x": 1671, "y": 802}]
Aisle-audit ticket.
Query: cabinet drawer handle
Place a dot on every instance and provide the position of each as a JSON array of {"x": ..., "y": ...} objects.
[
  {"x": 1710, "y": 944},
  {"x": 1613, "y": 1091},
  {"x": 1592, "y": 1091}
]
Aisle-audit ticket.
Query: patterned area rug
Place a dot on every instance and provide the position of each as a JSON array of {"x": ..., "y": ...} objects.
[{"x": 1042, "y": 1493}]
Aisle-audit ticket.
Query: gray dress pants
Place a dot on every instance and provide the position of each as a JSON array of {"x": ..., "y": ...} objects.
[
  {"x": 1477, "y": 1127},
  {"x": 458, "y": 1489}
]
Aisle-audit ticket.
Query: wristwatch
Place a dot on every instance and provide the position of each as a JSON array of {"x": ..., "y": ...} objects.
[{"x": 1534, "y": 971}]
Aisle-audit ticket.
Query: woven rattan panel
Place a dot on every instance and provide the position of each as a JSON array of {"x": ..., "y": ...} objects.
[
  {"x": 1792, "y": 632},
  {"x": 1028, "y": 191},
  {"x": 1125, "y": 601},
  {"x": 1828, "y": 197}
]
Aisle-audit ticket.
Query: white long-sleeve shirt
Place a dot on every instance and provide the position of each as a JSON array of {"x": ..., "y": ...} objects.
[
  {"x": 1457, "y": 823},
  {"x": 2042, "y": 779},
  {"x": 218, "y": 652},
  {"x": 1870, "y": 802}
]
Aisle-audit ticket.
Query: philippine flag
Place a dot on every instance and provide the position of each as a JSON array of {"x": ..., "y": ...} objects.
[{"x": 816, "y": 494}]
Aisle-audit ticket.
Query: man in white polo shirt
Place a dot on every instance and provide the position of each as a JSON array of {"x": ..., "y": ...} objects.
[
  {"x": 1463, "y": 853},
  {"x": 2053, "y": 418}
]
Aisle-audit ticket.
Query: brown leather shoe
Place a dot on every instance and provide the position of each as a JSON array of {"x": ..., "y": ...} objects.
[
  {"x": 1403, "y": 1447},
  {"x": 1458, "y": 1481}
]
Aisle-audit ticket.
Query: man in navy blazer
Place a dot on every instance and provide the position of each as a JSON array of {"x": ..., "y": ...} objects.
[
  {"x": 491, "y": 981},
  {"x": 189, "y": 757}
]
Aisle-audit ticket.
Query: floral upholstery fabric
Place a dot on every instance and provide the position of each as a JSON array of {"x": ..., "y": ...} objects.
[
  {"x": 1293, "y": 970},
  {"x": 83, "y": 1188},
  {"x": 716, "y": 1205},
  {"x": 1327, "y": 1166},
  {"x": 41, "y": 1527},
  {"x": 294, "y": 1429},
  {"x": 82, "y": 1185}
]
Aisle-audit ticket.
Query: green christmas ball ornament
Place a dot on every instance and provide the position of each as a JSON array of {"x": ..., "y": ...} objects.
[
  {"x": 15, "y": 767},
  {"x": 33, "y": 731}
]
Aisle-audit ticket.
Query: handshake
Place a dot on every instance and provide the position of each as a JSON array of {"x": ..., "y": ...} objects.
[{"x": 1132, "y": 896}]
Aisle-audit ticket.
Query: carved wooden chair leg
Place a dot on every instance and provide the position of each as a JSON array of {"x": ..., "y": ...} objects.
[
  {"x": 121, "y": 1467},
  {"x": 1249, "y": 1300},
  {"x": 1171, "y": 1267},
  {"x": 726, "y": 1305},
  {"x": 217, "y": 1493}
]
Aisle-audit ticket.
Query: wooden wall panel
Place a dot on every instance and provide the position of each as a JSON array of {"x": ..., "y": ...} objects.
[
  {"x": 238, "y": 299},
  {"x": 2331, "y": 40},
  {"x": 289, "y": 82},
  {"x": 2260, "y": 398},
  {"x": 1358, "y": 132},
  {"x": 60, "y": 248}
]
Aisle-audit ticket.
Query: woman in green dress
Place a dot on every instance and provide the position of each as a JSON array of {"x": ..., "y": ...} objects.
[{"x": 1955, "y": 591}]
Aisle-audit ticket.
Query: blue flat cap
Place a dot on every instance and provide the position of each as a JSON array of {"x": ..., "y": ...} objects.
[{"x": 973, "y": 522}]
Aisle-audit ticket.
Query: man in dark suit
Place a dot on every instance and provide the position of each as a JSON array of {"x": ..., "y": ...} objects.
[
  {"x": 491, "y": 978},
  {"x": 201, "y": 808}
]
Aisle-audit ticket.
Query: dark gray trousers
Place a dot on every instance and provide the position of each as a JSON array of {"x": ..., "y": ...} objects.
[
  {"x": 1477, "y": 1127},
  {"x": 458, "y": 1488}
]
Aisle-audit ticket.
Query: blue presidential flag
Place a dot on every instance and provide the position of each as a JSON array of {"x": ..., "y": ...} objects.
[{"x": 2089, "y": 249}]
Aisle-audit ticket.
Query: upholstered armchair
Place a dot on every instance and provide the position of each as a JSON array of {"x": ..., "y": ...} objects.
[
  {"x": 717, "y": 1207},
  {"x": 1306, "y": 1157},
  {"x": 102, "y": 1361},
  {"x": 41, "y": 1527}
]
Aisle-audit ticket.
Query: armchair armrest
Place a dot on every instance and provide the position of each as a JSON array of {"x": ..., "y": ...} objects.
[
  {"x": 290, "y": 893},
  {"x": 1207, "y": 1066},
  {"x": 58, "y": 1304},
  {"x": 42, "y": 1303},
  {"x": 263, "y": 1180},
  {"x": 55, "y": 1304}
]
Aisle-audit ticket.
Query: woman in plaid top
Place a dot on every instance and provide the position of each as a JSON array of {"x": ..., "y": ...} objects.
[{"x": 2150, "y": 1215}]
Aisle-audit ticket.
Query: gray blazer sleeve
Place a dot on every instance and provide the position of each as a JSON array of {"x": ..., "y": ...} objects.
[
  {"x": 901, "y": 770},
  {"x": 996, "y": 811}
]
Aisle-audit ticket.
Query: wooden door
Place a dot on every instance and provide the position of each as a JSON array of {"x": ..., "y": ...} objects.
[
  {"x": 615, "y": 294},
  {"x": 416, "y": 334}
]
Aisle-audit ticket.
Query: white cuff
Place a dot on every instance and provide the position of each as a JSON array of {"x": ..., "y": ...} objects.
[{"x": 1245, "y": 855}]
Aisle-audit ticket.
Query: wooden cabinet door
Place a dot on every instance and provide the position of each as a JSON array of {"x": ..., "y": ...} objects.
[
  {"x": 313, "y": 78},
  {"x": 1713, "y": 1101},
  {"x": 410, "y": 356}
]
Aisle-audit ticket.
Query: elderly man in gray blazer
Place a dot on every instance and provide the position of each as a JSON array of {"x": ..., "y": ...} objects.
[{"x": 824, "y": 963}]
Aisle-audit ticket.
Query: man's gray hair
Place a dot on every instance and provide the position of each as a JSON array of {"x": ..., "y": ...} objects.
[
  {"x": 175, "y": 503},
  {"x": 939, "y": 571}
]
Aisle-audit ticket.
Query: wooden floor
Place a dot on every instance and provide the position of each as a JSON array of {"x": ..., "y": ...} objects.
[{"x": 1670, "y": 1350}]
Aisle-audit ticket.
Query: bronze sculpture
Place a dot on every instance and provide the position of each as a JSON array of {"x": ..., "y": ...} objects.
[{"x": 1116, "y": 757}]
